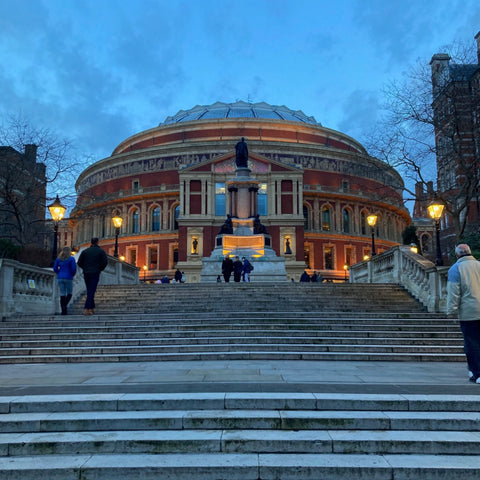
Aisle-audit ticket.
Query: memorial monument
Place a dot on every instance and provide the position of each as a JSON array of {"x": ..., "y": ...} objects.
[{"x": 243, "y": 234}]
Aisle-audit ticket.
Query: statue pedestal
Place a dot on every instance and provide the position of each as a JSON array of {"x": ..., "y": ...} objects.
[
  {"x": 243, "y": 242},
  {"x": 268, "y": 267}
]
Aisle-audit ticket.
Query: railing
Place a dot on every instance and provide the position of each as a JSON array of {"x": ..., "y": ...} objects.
[
  {"x": 127, "y": 193},
  {"x": 27, "y": 290},
  {"x": 399, "y": 265}
]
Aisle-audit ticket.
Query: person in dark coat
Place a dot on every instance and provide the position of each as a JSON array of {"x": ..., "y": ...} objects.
[
  {"x": 237, "y": 269},
  {"x": 93, "y": 260},
  {"x": 178, "y": 275},
  {"x": 227, "y": 268},
  {"x": 305, "y": 277}
]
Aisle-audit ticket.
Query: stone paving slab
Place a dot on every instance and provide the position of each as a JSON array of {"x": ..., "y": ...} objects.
[{"x": 238, "y": 375}]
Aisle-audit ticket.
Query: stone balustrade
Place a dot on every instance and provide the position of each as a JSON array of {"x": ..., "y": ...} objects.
[
  {"x": 26, "y": 289},
  {"x": 399, "y": 265}
]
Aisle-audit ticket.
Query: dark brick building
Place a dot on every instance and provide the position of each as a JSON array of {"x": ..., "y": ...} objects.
[{"x": 22, "y": 196}]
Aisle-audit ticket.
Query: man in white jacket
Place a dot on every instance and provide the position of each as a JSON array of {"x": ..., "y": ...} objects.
[{"x": 463, "y": 299}]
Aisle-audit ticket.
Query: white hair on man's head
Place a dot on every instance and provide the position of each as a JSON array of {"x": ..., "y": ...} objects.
[{"x": 462, "y": 249}]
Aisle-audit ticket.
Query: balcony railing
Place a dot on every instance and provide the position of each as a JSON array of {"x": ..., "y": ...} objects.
[
  {"x": 105, "y": 197},
  {"x": 399, "y": 265}
]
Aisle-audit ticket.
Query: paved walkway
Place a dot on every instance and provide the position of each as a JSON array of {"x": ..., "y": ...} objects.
[{"x": 237, "y": 375}]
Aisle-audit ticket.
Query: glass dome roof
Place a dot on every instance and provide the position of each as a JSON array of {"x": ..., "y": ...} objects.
[{"x": 240, "y": 110}]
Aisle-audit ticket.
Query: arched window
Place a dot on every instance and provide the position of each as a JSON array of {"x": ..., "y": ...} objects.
[
  {"x": 363, "y": 223},
  {"x": 388, "y": 228},
  {"x": 307, "y": 218},
  {"x": 262, "y": 199},
  {"x": 135, "y": 221},
  {"x": 326, "y": 219},
  {"x": 220, "y": 206},
  {"x": 426, "y": 243},
  {"x": 155, "y": 219},
  {"x": 176, "y": 214},
  {"x": 346, "y": 220}
]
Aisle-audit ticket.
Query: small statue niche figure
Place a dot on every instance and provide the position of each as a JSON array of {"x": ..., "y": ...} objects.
[
  {"x": 195, "y": 246},
  {"x": 288, "y": 250},
  {"x": 227, "y": 227},
  {"x": 241, "y": 149},
  {"x": 257, "y": 226}
]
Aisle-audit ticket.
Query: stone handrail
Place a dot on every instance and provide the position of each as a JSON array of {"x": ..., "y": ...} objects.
[
  {"x": 28, "y": 290},
  {"x": 426, "y": 282}
]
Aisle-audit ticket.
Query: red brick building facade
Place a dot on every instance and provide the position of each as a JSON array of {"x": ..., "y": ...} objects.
[{"x": 170, "y": 185}]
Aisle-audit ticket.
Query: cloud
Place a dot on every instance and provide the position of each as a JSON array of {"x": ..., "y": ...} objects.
[{"x": 360, "y": 110}]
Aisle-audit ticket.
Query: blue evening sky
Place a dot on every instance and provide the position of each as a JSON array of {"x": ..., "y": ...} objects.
[{"x": 98, "y": 71}]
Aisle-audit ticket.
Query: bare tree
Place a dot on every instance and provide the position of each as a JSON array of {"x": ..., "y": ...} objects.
[
  {"x": 35, "y": 165},
  {"x": 416, "y": 133}
]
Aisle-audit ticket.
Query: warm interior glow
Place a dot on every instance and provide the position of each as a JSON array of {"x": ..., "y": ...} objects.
[
  {"x": 372, "y": 220},
  {"x": 435, "y": 210},
  {"x": 57, "y": 210},
  {"x": 117, "y": 221}
]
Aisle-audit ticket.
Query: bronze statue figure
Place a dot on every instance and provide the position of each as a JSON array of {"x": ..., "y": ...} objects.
[{"x": 241, "y": 153}]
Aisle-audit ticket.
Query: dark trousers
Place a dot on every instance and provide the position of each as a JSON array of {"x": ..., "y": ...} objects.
[
  {"x": 471, "y": 345},
  {"x": 91, "y": 282},
  {"x": 237, "y": 276},
  {"x": 226, "y": 277}
]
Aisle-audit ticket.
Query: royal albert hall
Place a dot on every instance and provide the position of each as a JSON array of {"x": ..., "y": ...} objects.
[{"x": 169, "y": 184}]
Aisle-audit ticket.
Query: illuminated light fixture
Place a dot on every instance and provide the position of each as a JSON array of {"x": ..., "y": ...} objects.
[
  {"x": 345, "y": 268},
  {"x": 117, "y": 223},
  {"x": 435, "y": 210},
  {"x": 372, "y": 220},
  {"x": 57, "y": 211}
]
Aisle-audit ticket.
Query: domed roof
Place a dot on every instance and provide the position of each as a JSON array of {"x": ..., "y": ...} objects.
[{"x": 240, "y": 110}]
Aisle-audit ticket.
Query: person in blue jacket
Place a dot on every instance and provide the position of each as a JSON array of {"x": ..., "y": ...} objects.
[
  {"x": 246, "y": 269},
  {"x": 65, "y": 268}
]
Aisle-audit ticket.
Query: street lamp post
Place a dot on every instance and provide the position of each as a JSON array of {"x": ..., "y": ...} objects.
[
  {"x": 57, "y": 211},
  {"x": 117, "y": 222},
  {"x": 435, "y": 210},
  {"x": 345, "y": 268},
  {"x": 372, "y": 220},
  {"x": 144, "y": 272}
]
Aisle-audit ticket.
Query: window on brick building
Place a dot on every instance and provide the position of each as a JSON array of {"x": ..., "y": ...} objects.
[
  {"x": 155, "y": 219},
  {"x": 326, "y": 219}
]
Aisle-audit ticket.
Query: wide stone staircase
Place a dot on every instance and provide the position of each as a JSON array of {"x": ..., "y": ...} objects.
[
  {"x": 238, "y": 322},
  {"x": 268, "y": 436},
  {"x": 214, "y": 434}
]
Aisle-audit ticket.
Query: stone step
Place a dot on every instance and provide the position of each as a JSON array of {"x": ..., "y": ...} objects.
[
  {"x": 173, "y": 338},
  {"x": 241, "y": 466},
  {"x": 359, "y": 356},
  {"x": 240, "y": 441},
  {"x": 240, "y": 435},
  {"x": 388, "y": 347}
]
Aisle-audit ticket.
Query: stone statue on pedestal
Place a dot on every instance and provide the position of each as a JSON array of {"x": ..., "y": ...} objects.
[
  {"x": 227, "y": 227},
  {"x": 258, "y": 227},
  {"x": 241, "y": 149}
]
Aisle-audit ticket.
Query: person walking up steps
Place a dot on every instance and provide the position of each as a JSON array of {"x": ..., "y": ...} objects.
[
  {"x": 92, "y": 261},
  {"x": 65, "y": 268},
  {"x": 463, "y": 300}
]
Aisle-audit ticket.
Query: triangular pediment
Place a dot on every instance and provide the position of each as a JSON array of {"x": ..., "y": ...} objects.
[{"x": 225, "y": 163}]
